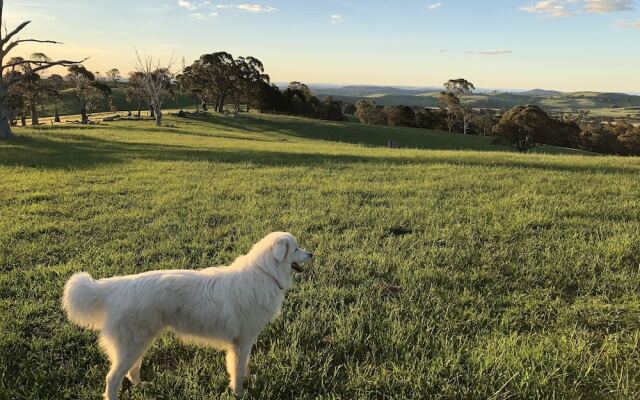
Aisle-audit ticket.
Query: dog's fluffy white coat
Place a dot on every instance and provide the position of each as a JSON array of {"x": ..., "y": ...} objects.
[{"x": 223, "y": 307}]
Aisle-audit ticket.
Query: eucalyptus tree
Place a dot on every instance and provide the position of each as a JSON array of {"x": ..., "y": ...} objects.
[
  {"x": 250, "y": 79},
  {"x": 87, "y": 89},
  {"x": 55, "y": 85},
  {"x": 134, "y": 92},
  {"x": 8, "y": 42},
  {"x": 114, "y": 76},
  {"x": 455, "y": 89}
]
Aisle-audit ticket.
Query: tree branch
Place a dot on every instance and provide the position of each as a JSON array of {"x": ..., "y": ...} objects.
[
  {"x": 44, "y": 65},
  {"x": 13, "y": 44},
  {"x": 14, "y": 32}
]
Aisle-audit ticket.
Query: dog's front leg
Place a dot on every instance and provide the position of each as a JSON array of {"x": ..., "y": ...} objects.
[{"x": 237, "y": 362}]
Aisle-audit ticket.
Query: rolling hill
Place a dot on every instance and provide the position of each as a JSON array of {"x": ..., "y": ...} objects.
[
  {"x": 515, "y": 276},
  {"x": 614, "y": 104}
]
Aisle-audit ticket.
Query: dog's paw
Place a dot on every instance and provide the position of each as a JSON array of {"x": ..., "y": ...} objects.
[{"x": 134, "y": 378}]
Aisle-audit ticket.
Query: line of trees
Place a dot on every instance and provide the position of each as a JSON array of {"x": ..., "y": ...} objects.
[
  {"x": 20, "y": 83},
  {"x": 522, "y": 127},
  {"x": 222, "y": 80}
]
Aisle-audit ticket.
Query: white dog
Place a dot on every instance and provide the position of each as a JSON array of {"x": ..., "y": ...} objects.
[{"x": 223, "y": 307}]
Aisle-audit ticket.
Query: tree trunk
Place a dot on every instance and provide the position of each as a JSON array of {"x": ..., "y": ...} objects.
[
  {"x": 83, "y": 114},
  {"x": 152, "y": 112},
  {"x": 5, "y": 127},
  {"x": 139, "y": 109},
  {"x": 34, "y": 115},
  {"x": 56, "y": 115},
  {"x": 204, "y": 106},
  {"x": 158, "y": 113},
  {"x": 23, "y": 118},
  {"x": 221, "y": 101}
]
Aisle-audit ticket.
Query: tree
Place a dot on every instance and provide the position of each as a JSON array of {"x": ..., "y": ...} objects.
[
  {"x": 222, "y": 72},
  {"x": 114, "y": 76},
  {"x": 192, "y": 79},
  {"x": 524, "y": 127},
  {"x": 8, "y": 42},
  {"x": 426, "y": 118},
  {"x": 450, "y": 105},
  {"x": 366, "y": 112},
  {"x": 400, "y": 116},
  {"x": 457, "y": 88},
  {"x": 134, "y": 92},
  {"x": 155, "y": 82},
  {"x": 483, "y": 124},
  {"x": 55, "y": 83},
  {"x": 332, "y": 110},
  {"x": 88, "y": 91},
  {"x": 269, "y": 98},
  {"x": 250, "y": 76}
]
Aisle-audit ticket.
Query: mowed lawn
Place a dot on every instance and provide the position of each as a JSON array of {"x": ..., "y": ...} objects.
[{"x": 519, "y": 278}]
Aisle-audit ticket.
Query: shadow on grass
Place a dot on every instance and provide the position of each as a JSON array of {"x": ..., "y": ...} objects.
[
  {"x": 343, "y": 132},
  {"x": 73, "y": 151}
]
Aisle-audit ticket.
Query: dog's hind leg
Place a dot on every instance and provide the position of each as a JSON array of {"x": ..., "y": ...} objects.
[
  {"x": 124, "y": 353},
  {"x": 134, "y": 373},
  {"x": 237, "y": 362}
]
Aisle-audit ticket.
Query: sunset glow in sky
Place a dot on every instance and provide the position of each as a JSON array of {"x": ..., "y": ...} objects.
[{"x": 554, "y": 44}]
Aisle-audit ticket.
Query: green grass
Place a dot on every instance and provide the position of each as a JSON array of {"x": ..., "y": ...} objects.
[
  {"x": 69, "y": 104},
  {"x": 520, "y": 278}
]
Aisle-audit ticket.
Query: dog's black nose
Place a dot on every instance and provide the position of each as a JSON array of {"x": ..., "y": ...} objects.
[{"x": 311, "y": 255}]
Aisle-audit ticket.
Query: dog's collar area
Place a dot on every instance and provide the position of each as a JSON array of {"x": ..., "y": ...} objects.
[{"x": 273, "y": 278}]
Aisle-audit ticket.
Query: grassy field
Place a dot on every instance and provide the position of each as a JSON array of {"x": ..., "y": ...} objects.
[{"x": 519, "y": 278}]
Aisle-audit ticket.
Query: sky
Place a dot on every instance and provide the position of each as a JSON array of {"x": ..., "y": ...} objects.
[{"x": 568, "y": 45}]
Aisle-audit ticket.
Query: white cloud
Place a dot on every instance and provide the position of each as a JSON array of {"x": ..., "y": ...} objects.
[
  {"x": 336, "y": 18},
  {"x": 207, "y": 9},
  {"x": 607, "y": 6},
  {"x": 566, "y": 8},
  {"x": 491, "y": 52},
  {"x": 257, "y": 8},
  {"x": 434, "y": 6},
  {"x": 186, "y": 4},
  {"x": 552, "y": 8}
]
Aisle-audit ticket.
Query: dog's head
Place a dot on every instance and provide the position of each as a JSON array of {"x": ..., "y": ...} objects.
[
  {"x": 287, "y": 253},
  {"x": 282, "y": 254}
]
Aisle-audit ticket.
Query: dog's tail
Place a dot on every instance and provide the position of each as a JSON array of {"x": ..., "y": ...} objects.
[{"x": 82, "y": 301}]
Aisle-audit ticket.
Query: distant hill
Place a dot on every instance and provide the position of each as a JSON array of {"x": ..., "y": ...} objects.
[
  {"x": 540, "y": 93},
  {"x": 368, "y": 91},
  {"x": 615, "y": 104}
]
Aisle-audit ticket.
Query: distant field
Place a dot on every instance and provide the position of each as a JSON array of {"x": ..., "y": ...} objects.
[
  {"x": 69, "y": 105},
  {"x": 519, "y": 279},
  {"x": 601, "y": 104}
]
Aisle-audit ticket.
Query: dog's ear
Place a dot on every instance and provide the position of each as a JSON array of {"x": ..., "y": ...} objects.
[{"x": 280, "y": 249}]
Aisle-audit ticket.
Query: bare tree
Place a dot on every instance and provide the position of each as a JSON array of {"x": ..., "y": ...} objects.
[
  {"x": 155, "y": 81},
  {"x": 8, "y": 42}
]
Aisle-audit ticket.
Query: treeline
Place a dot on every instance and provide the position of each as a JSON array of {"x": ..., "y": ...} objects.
[
  {"x": 32, "y": 92},
  {"x": 220, "y": 81},
  {"x": 242, "y": 84},
  {"x": 216, "y": 80},
  {"x": 522, "y": 127}
]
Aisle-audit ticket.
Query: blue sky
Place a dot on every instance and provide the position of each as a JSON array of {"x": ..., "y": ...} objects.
[{"x": 555, "y": 44}]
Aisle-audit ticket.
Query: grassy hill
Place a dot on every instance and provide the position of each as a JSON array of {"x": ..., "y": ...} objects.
[
  {"x": 518, "y": 277},
  {"x": 611, "y": 104},
  {"x": 69, "y": 104}
]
